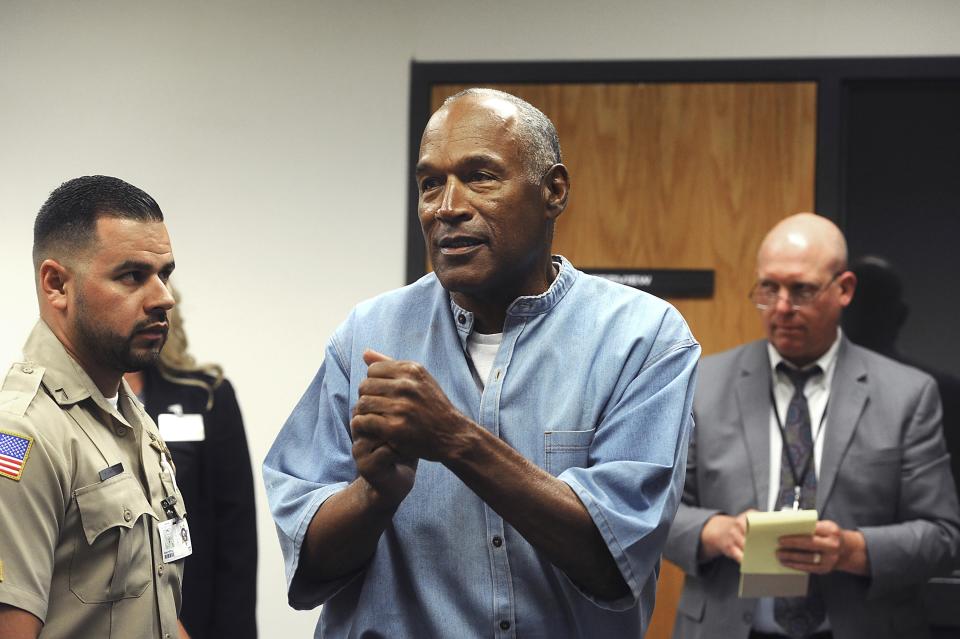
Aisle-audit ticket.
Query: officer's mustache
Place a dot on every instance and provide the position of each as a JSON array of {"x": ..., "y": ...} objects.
[{"x": 157, "y": 321}]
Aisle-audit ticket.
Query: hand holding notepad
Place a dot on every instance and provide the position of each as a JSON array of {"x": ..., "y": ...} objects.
[{"x": 761, "y": 573}]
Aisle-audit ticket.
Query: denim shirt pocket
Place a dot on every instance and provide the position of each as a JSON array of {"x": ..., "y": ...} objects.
[{"x": 565, "y": 449}]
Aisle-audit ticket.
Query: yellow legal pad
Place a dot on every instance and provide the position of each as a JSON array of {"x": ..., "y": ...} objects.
[{"x": 761, "y": 574}]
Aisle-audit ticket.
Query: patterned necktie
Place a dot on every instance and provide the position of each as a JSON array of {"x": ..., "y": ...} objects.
[{"x": 798, "y": 616}]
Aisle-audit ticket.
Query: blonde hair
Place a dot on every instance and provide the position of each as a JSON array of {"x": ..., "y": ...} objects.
[{"x": 178, "y": 366}]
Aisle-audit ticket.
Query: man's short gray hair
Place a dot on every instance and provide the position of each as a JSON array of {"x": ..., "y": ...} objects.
[{"x": 541, "y": 144}]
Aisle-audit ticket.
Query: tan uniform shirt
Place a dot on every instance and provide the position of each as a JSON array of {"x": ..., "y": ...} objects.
[{"x": 82, "y": 553}]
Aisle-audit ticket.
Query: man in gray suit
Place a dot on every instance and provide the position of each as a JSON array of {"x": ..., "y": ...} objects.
[{"x": 864, "y": 447}]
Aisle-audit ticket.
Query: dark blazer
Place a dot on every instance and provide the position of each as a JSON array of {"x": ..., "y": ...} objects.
[
  {"x": 215, "y": 477},
  {"x": 885, "y": 471}
]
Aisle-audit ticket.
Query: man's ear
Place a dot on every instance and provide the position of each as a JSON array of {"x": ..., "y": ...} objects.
[
  {"x": 848, "y": 285},
  {"x": 53, "y": 280},
  {"x": 556, "y": 190}
]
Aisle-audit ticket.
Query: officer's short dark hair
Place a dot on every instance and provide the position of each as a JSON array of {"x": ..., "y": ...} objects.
[{"x": 67, "y": 221}]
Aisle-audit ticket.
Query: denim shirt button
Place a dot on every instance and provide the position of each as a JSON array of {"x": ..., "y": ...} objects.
[
  {"x": 462, "y": 318},
  {"x": 497, "y": 541},
  {"x": 504, "y": 625}
]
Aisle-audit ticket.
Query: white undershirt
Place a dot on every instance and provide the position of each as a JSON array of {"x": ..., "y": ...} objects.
[
  {"x": 482, "y": 350},
  {"x": 817, "y": 392}
]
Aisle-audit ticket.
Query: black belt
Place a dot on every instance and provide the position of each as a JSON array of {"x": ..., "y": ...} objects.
[{"x": 756, "y": 634}]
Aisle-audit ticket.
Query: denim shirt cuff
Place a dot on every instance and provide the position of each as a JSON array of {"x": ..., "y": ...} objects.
[{"x": 619, "y": 556}]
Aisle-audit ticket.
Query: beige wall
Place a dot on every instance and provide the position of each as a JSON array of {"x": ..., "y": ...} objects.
[{"x": 273, "y": 134}]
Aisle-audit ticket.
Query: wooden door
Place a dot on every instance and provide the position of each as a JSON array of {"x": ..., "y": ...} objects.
[{"x": 680, "y": 175}]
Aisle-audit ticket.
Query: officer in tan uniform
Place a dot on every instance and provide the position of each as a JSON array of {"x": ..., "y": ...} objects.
[{"x": 93, "y": 528}]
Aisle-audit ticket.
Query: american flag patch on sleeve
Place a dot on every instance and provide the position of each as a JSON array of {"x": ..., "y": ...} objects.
[{"x": 14, "y": 450}]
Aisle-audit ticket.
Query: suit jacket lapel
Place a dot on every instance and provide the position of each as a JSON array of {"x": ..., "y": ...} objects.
[
  {"x": 753, "y": 396},
  {"x": 848, "y": 396}
]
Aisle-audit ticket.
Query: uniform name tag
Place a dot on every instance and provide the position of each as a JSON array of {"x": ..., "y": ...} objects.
[
  {"x": 175, "y": 539},
  {"x": 181, "y": 428}
]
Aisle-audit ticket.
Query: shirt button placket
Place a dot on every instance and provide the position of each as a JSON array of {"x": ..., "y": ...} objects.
[
  {"x": 501, "y": 578},
  {"x": 503, "y": 622}
]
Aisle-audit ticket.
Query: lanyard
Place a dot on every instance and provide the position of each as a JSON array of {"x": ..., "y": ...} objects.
[
  {"x": 798, "y": 479},
  {"x": 169, "y": 503}
]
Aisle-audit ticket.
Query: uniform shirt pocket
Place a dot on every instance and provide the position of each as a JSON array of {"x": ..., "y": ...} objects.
[
  {"x": 112, "y": 558},
  {"x": 565, "y": 449}
]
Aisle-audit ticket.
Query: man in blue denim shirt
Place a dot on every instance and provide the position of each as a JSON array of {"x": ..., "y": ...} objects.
[{"x": 497, "y": 449}]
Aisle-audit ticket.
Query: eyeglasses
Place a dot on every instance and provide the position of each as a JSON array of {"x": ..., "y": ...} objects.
[{"x": 765, "y": 294}]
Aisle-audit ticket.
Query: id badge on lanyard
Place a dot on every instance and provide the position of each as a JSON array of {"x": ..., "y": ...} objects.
[
  {"x": 175, "y": 541},
  {"x": 796, "y": 500}
]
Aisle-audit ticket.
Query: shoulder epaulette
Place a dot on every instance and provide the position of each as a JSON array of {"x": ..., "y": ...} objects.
[{"x": 20, "y": 387}]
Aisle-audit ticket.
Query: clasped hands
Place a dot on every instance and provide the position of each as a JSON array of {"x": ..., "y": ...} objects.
[
  {"x": 822, "y": 552},
  {"x": 401, "y": 416}
]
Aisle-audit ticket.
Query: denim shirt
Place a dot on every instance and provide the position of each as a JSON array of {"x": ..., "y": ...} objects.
[{"x": 593, "y": 382}]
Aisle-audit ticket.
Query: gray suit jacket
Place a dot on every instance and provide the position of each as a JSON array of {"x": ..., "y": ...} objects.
[{"x": 885, "y": 471}]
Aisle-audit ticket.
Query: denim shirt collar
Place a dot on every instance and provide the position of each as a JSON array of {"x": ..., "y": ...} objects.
[{"x": 526, "y": 306}]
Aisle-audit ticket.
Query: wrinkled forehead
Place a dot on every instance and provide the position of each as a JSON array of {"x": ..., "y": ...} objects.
[
  {"x": 120, "y": 239},
  {"x": 472, "y": 121},
  {"x": 794, "y": 258}
]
